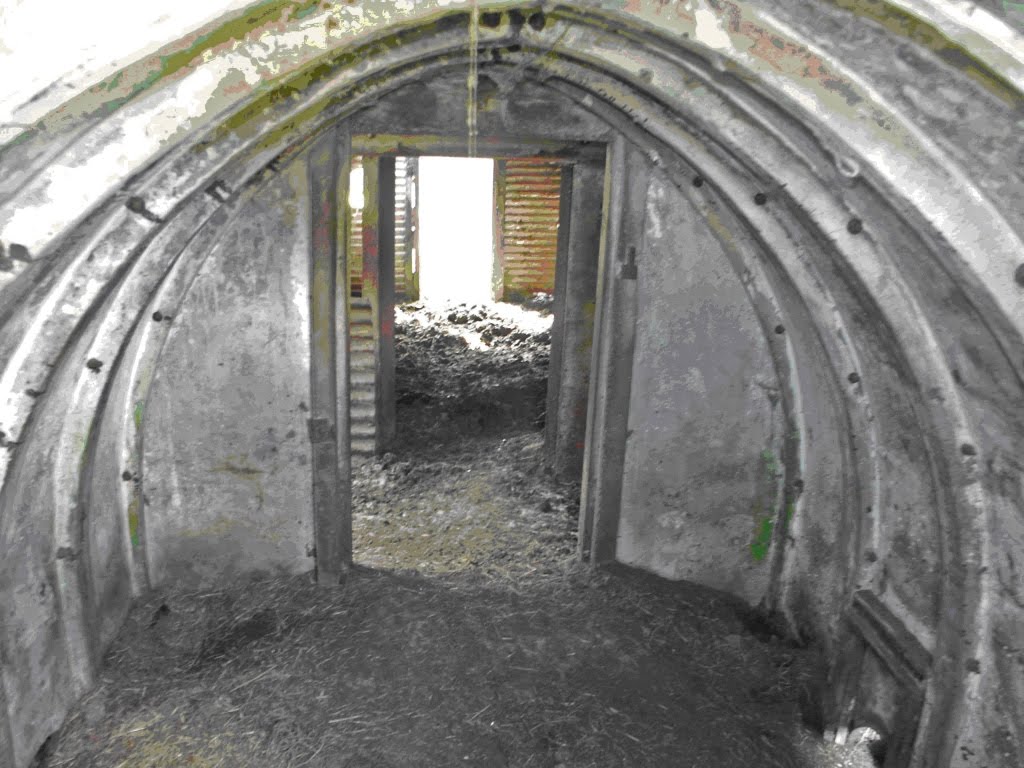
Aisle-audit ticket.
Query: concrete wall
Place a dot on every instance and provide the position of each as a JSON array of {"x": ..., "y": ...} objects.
[
  {"x": 508, "y": 104},
  {"x": 702, "y": 475},
  {"x": 226, "y": 471}
]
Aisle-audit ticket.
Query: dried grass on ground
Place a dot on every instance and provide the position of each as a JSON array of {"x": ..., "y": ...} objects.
[{"x": 468, "y": 636}]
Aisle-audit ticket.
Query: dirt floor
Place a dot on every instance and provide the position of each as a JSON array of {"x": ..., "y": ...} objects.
[
  {"x": 464, "y": 371},
  {"x": 468, "y": 634}
]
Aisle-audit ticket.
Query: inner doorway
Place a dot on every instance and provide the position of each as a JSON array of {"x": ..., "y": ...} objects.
[{"x": 465, "y": 483}]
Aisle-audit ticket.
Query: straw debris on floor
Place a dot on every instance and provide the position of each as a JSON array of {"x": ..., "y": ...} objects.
[{"x": 467, "y": 635}]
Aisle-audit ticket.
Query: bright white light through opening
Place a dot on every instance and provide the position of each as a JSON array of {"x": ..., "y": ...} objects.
[
  {"x": 456, "y": 229},
  {"x": 355, "y": 189}
]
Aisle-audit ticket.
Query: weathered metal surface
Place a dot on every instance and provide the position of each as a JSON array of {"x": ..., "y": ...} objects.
[
  {"x": 888, "y": 239},
  {"x": 879, "y": 680},
  {"x": 612, "y": 356},
  {"x": 406, "y": 255},
  {"x": 332, "y": 519},
  {"x": 573, "y": 327},
  {"x": 225, "y": 472},
  {"x": 405, "y": 222},
  {"x": 342, "y": 317},
  {"x": 527, "y": 237},
  {"x": 704, "y": 468},
  {"x": 383, "y": 301},
  {"x": 378, "y": 360}
]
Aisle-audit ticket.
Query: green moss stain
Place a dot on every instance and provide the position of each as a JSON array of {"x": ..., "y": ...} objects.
[
  {"x": 83, "y": 444},
  {"x": 258, "y": 15},
  {"x": 113, "y": 82},
  {"x": 762, "y": 538},
  {"x": 246, "y": 122},
  {"x": 302, "y": 10},
  {"x": 764, "y": 525},
  {"x": 790, "y": 511},
  {"x": 133, "y": 522},
  {"x": 137, "y": 415},
  {"x": 236, "y": 29}
]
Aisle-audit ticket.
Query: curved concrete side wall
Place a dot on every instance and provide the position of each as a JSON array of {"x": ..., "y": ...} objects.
[
  {"x": 862, "y": 179},
  {"x": 226, "y": 458},
  {"x": 702, "y": 478}
]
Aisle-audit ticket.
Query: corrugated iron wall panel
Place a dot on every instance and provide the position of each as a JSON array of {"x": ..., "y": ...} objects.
[
  {"x": 406, "y": 286},
  {"x": 528, "y": 196}
]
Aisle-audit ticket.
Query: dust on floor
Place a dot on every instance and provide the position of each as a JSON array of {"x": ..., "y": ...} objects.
[
  {"x": 468, "y": 635},
  {"x": 469, "y": 370}
]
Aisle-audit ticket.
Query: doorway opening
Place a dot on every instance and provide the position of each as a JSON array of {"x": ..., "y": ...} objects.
[
  {"x": 456, "y": 229},
  {"x": 465, "y": 482}
]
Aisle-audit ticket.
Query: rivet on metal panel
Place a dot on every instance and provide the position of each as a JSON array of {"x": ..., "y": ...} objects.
[
  {"x": 855, "y": 226},
  {"x": 848, "y": 167}
]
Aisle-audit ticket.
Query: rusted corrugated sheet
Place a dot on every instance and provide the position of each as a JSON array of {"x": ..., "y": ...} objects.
[
  {"x": 406, "y": 286},
  {"x": 528, "y": 198}
]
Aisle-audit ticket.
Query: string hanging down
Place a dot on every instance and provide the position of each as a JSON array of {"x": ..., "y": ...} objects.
[{"x": 472, "y": 80}]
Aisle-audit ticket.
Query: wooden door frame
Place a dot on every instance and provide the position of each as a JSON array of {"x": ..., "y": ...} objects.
[{"x": 614, "y": 328}]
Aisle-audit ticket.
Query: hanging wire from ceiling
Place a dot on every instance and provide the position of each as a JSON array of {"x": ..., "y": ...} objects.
[{"x": 473, "y": 80}]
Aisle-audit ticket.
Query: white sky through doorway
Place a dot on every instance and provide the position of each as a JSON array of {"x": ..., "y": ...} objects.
[{"x": 456, "y": 228}]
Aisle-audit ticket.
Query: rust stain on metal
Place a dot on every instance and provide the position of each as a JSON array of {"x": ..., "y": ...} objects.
[{"x": 529, "y": 225}]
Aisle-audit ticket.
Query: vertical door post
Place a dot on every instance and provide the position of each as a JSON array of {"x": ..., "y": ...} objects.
[
  {"x": 574, "y": 308},
  {"x": 379, "y": 286},
  {"x": 333, "y": 547},
  {"x": 626, "y": 181}
]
